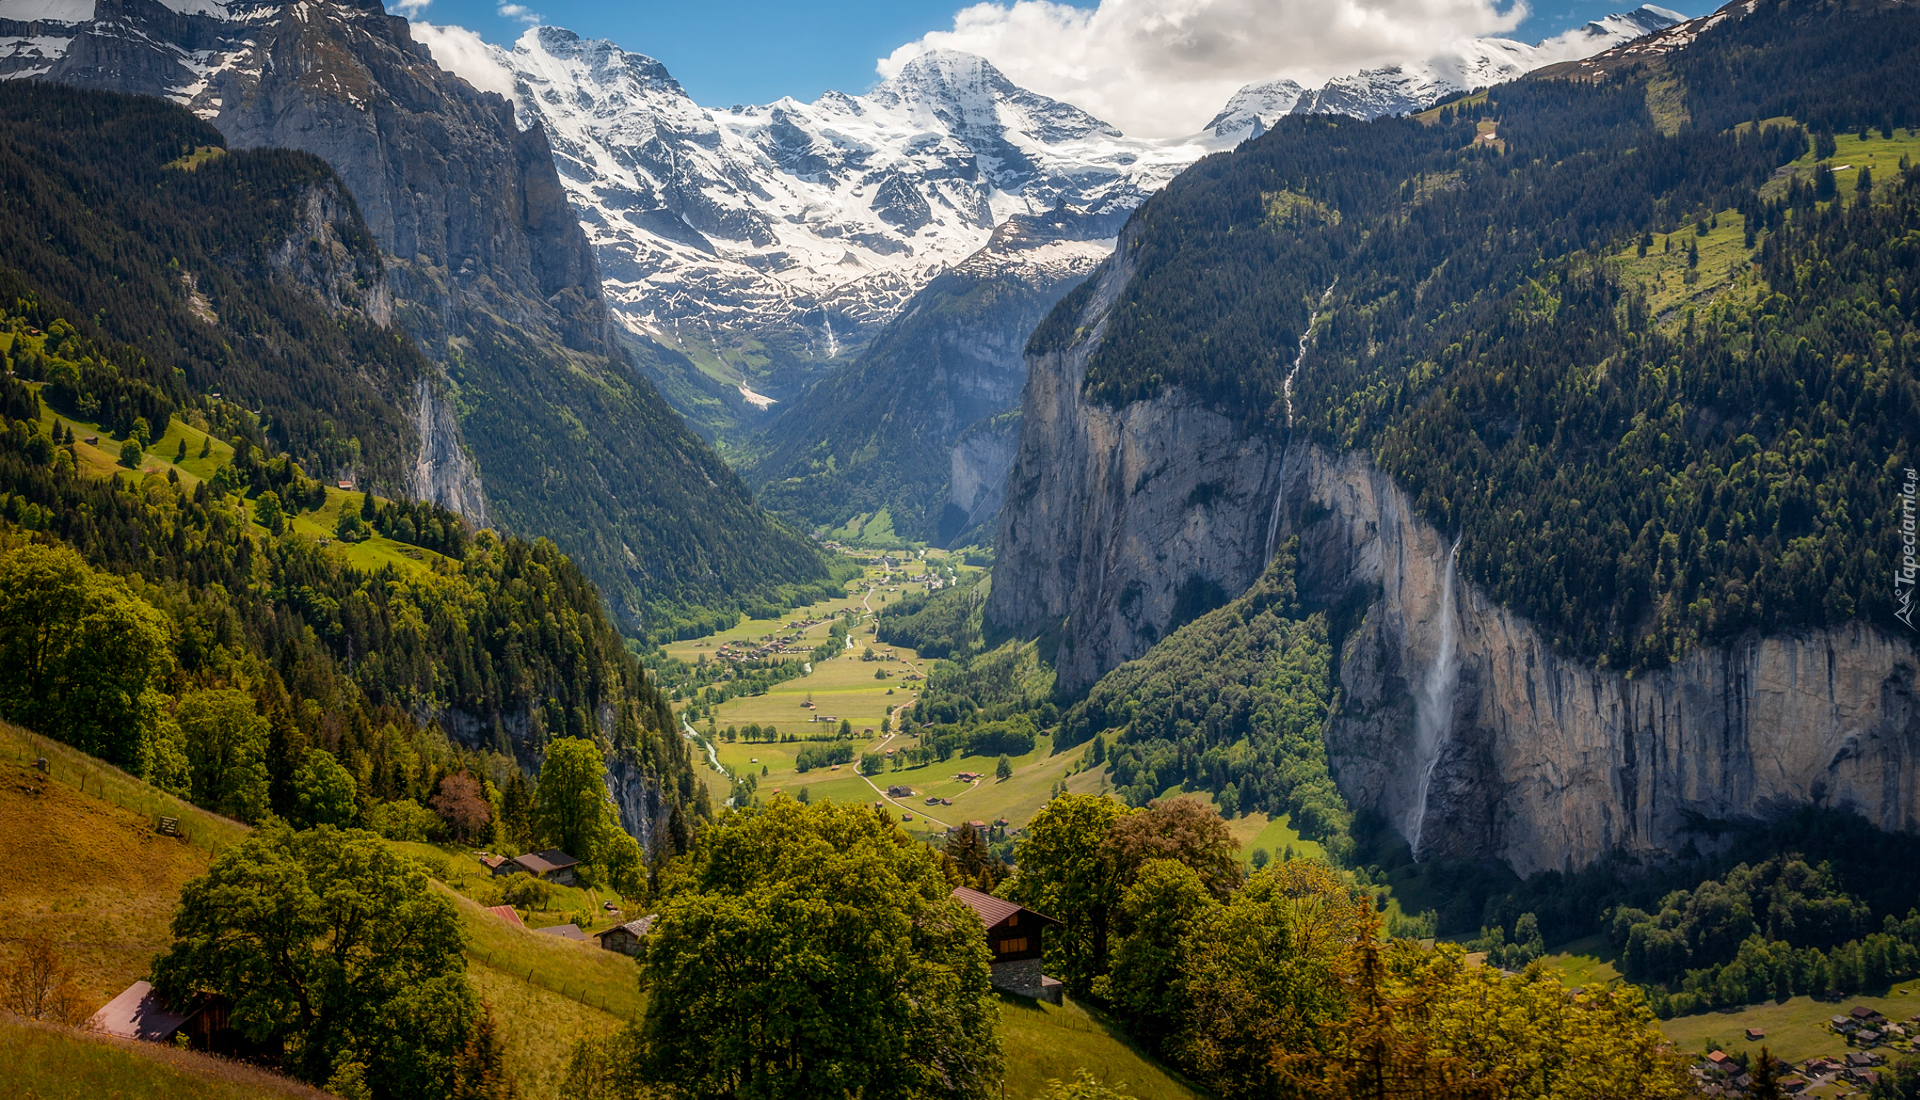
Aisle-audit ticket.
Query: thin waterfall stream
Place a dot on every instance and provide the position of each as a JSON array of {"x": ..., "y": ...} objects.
[
  {"x": 1286, "y": 391},
  {"x": 1433, "y": 709}
]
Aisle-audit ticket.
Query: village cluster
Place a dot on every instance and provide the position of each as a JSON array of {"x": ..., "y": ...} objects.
[{"x": 1863, "y": 1028}]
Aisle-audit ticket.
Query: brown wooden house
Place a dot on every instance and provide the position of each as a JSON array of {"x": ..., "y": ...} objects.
[
  {"x": 628, "y": 938},
  {"x": 139, "y": 1013},
  {"x": 1015, "y": 936}
]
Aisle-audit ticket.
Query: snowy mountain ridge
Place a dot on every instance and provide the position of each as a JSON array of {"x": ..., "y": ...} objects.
[
  {"x": 1415, "y": 86},
  {"x": 817, "y": 219},
  {"x": 811, "y": 224}
]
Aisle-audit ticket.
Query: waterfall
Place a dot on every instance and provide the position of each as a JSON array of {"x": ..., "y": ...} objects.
[
  {"x": 1286, "y": 390},
  {"x": 1433, "y": 709},
  {"x": 833, "y": 342}
]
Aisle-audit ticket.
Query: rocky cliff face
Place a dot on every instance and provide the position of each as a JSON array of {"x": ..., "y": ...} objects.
[
  {"x": 1548, "y": 763},
  {"x": 1122, "y": 524},
  {"x": 977, "y": 470},
  {"x": 1119, "y": 525}
]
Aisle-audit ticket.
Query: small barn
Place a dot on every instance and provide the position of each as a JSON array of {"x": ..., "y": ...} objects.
[
  {"x": 553, "y": 865},
  {"x": 139, "y": 1013},
  {"x": 1014, "y": 936},
  {"x": 627, "y": 938}
]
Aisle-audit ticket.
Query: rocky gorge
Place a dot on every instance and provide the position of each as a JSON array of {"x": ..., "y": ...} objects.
[{"x": 1122, "y": 524}]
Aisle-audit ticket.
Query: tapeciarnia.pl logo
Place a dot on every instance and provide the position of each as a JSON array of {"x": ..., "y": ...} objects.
[{"x": 1907, "y": 571}]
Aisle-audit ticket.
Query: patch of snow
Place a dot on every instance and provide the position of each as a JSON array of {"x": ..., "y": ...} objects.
[
  {"x": 47, "y": 11},
  {"x": 35, "y": 48},
  {"x": 757, "y": 400}
]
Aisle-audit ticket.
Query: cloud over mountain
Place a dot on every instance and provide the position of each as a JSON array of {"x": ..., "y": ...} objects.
[{"x": 1163, "y": 67}]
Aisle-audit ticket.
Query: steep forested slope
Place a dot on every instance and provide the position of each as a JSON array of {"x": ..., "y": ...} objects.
[
  {"x": 145, "y": 267},
  {"x": 533, "y": 417},
  {"x": 189, "y": 269},
  {"x": 882, "y": 433},
  {"x": 1639, "y": 460}
]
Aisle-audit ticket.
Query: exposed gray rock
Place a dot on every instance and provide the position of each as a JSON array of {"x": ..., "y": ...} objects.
[
  {"x": 443, "y": 470},
  {"x": 979, "y": 464},
  {"x": 1550, "y": 763},
  {"x": 1119, "y": 524}
]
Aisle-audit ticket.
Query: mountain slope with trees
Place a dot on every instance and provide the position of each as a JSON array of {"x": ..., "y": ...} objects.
[
  {"x": 532, "y": 415},
  {"x": 1642, "y": 467}
]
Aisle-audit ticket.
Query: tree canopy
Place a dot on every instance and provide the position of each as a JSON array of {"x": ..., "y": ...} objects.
[
  {"x": 333, "y": 951},
  {"x": 815, "y": 951}
]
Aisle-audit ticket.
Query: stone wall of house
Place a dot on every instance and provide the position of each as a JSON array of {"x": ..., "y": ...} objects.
[{"x": 1020, "y": 976}]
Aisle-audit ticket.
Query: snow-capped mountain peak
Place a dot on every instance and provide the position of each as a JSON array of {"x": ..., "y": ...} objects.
[
  {"x": 807, "y": 223},
  {"x": 1416, "y": 85}
]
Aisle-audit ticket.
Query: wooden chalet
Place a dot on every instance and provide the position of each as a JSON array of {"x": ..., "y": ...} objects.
[
  {"x": 1015, "y": 937},
  {"x": 139, "y": 1013},
  {"x": 553, "y": 865},
  {"x": 628, "y": 938}
]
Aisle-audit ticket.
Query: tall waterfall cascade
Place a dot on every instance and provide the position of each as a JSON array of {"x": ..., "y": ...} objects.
[{"x": 1433, "y": 704}]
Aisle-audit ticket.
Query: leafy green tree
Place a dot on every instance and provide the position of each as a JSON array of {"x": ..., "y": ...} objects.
[
  {"x": 325, "y": 791},
  {"x": 1003, "y": 768},
  {"x": 871, "y": 763},
  {"x": 332, "y": 949},
  {"x": 570, "y": 802},
  {"x": 816, "y": 952},
  {"x": 1154, "y": 925},
  {"x": 1064, "y": 875},
  {"x": 130, "y": 454},
  {"x": 82, "y": 658},
  {"x": 1181, "y": 829},
  {"x": 1261, "y": 976},
  {"x": 267, "y": 511},
  {"x": 572, "y": 811},
  {"x": 226, "y": 746},
  {"x": 526, "y": 891}
]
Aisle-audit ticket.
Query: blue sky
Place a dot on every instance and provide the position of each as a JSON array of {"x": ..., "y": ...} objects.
[{"x": 753, "y": 51}]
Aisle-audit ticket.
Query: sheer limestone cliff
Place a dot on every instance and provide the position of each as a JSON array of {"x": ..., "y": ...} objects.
[{"x": 1122, "y": 524}]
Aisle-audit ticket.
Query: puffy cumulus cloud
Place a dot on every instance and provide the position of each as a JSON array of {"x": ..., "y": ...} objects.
[
  {"x": 518, "y": 11},
  {"x": 1161, "y": 68},
  {"x": 409, "y": 8},
  {"x": 464, "y": 54}
]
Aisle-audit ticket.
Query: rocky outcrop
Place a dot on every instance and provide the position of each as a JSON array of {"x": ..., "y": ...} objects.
[
  {"x": 442, "y": 469},
  {"x": 1122, "y": 524},
  {"x": 328, "y": 253},
  {"x": 977, "y": 469},
  {"x": 1549, "y": 763},
  {"x": 1119, "y": 525}
]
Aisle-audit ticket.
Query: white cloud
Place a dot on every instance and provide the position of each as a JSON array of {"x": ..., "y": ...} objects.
[
  {"x": 518, "y": 11},
  {"x": 464, "y": 54},
  {"x": 1161, "y": 68},
  {"x": 409, "y": 8}
]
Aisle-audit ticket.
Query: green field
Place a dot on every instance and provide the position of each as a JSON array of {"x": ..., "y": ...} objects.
[
  {"x": 1584, "y": 962},
  {"x": 1796, "y": 1030}
]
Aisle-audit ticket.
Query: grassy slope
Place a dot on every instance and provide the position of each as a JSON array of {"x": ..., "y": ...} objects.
[
  {"x": 103, "y": 460},
  {"x": 56, "y": 1063},
  {"x": 102, "y": 875},
  {"x": 1044, "y": 1042}
]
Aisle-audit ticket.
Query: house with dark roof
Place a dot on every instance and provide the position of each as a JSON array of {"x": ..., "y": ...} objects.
[
  {"x": 1014, "y": 936},
  {"x": 628, "y": 938},
  {"x": 139, "y": 1013},
  {"x": 553, "y": 865}
]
